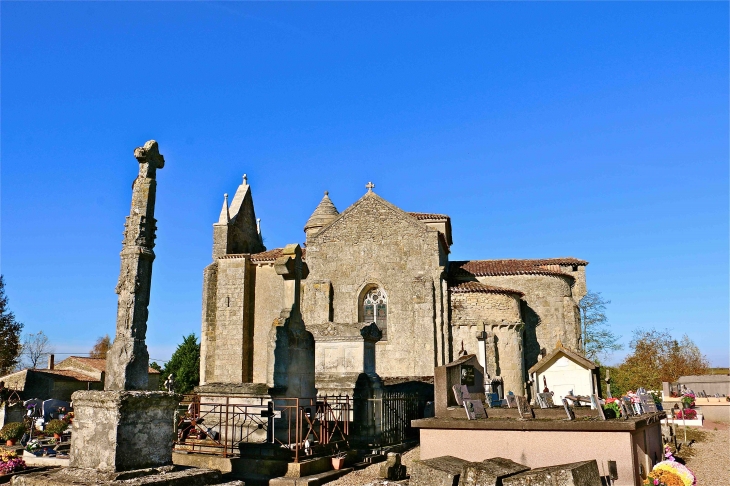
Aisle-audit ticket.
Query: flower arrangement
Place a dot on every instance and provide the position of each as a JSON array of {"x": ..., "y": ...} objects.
[
  {"x": 670, "y": 473},
  {"x": 12, "y": 431},
  {"x": 687, "y": 414},
  {"x": 10, "y": 462},
  {"x": 56, "y": 426},
  {"x": 688, "y": 399},
  {"x": 612, "y": 408}
]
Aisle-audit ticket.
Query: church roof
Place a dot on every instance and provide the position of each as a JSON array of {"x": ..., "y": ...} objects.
[
  {"x": 323, "y": 214},
  {"x": 98, "y": 364},
  {"x": 430, "y": 216},
  {"x": 544, "y": 266},
  {"x": 477, "y": 287},
  {"x": 266, "y": 256}
]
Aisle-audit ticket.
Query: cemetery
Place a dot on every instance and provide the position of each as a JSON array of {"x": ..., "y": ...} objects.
[{"x": 312, "y": 419}]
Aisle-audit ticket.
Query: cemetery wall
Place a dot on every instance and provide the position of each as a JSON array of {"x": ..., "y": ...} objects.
[
  {"x": 351, "y": 254},
  {"x": 549, "y": 312}
]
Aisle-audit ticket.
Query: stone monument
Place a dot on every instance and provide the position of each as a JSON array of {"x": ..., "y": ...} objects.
[{"x": 125, "y": 431}]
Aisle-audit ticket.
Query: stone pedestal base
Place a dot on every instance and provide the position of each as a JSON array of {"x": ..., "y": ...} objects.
[{"x": 117, "y": 431}]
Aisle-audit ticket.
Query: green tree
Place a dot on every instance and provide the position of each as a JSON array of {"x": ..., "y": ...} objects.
[
  {"x": 656, "y": 357},
  {"x": 184, "y": 365},
  {"x": 598, "y": 339},
  {"x": 10, "y": 329}
]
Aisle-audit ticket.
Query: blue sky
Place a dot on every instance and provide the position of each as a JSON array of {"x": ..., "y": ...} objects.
[{"x": 595, "y": 130}]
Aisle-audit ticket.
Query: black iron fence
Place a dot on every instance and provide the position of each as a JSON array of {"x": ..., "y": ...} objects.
[
  {"x": 222, "y": 425},
  {"x": 392, "y": 414}
]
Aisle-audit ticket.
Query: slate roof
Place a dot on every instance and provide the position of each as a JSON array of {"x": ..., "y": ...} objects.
[
  {"x": 482, "y": 268},
  {"x": 469, "y": 287}
]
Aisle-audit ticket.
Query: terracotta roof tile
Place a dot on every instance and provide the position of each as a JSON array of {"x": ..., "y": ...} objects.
[
  {"x": 431, "y": 216},
  {"x": 98, "y": 364},
  {"x": 481, "y": 268},
  {"x": 469, "y": 287},
  {"x": 266, "y": 256},
  {"x": 69, "y": 374}
]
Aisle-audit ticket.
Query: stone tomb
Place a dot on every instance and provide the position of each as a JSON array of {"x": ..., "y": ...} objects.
[
  {"x": 575, "y": 474},
  {"x": 464, "y": 372},
  {"x": 490, "y": 472}
]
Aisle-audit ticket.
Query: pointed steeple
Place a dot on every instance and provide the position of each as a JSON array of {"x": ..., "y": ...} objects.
[
  {"x": 324, "y": 214},
  {"x": 225, "y": 216}
]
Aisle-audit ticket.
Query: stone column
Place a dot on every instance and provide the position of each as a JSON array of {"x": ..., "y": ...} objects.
[
  {"x": 128, "y": 360},
  {"x": 126, "y": 427}
]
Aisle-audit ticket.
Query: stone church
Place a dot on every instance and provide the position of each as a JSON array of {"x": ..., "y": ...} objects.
[{"x": 376, "y": 263}]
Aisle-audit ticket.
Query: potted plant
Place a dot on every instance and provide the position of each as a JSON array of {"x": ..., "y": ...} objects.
[
  {"x": 611, "y": 409},
  {"x": 56, "y": 427},
  {"x": 10, "y": 462},
  {"x": 688, "y": 399},
  {"x": 338, "y": 460},
  {"x": 11, "y": 432}
]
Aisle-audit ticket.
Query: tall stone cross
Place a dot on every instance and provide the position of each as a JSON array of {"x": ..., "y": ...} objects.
[{"x": 128, "y": 360}]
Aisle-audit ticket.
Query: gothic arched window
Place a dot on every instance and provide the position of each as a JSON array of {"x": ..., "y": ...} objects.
[{"x": 375, "y": 308}]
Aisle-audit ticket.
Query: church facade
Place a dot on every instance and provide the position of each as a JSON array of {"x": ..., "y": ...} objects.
[{"x": 375, "y": 263}]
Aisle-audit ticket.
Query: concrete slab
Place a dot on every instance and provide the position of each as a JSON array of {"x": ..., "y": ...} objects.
[
  {"x": 575, "y": 474},
  {"x": 439, "y": 471},
  {"x": 313, "y": 480}
]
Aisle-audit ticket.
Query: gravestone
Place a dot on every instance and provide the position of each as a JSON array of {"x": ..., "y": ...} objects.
[
  {"x": 511, "y": 400},
  {"x": 575, "y": 474},
  {"x": 474, "y": 409},
  {"x": 647, "y": 403},
  {"x": 439, "y": 471},
  {"x": 545, "y": 400},
  {"x": 392, "y": 468},
  {"x": 460, "y": 393},
  {"x": 490, "y": 472},
  {"x": 568, "y": 409},
  {"x": 596, "y": 402},
  {"x": 524, "y": 408},
  {"x": 465, "y": 374}
]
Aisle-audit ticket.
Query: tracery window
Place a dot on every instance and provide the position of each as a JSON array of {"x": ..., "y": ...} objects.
[{"x": 375, "y": 309}]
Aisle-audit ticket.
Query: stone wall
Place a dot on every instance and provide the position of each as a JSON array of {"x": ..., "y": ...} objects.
[
  {"x": 375, "y": 243},
  {"x": 548, "y": 311},
  {"x": 233, "y": 355},
  {"x": 269, "y": 301},
  {"x": 500, "y": 313}
]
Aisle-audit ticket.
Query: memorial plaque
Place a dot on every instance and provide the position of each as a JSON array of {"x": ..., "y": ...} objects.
[
  {"x": 624, "y": 409},
  {"x": 568, "y": 410},
  {"x": 545, "y": 400},
  {"x": 459, "y": 395},
  {"x": 474, "y": 409},
  {"x": 647, "y": 403},
  {"x": 597, "y": 403},
  {"x": 511, "y": 401},
  {"x": 467, "y": 375},
  {"x": 524, "y": 408}
]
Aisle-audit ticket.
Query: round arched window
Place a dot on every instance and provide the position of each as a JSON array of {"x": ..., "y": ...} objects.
[{"x": 375, "y": 309}]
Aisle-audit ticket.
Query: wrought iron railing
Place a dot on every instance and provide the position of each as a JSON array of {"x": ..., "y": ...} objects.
[
  {"x": 221, "y": 424},
  {"x": 392, "y": 413}
]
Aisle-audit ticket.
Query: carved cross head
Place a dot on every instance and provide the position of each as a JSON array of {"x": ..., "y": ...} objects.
[{"x": 150, "y": 159}]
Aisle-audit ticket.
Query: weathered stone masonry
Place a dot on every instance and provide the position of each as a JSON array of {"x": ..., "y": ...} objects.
[{"x": 377, "y": 263}]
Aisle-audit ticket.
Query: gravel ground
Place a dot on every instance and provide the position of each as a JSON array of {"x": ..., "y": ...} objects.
[
  {"x": 370, "y": 473},
  {"x": 711, "y": 459}
]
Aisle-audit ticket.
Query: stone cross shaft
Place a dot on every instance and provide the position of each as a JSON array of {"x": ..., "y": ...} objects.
[{"x": 128, "y": 360}]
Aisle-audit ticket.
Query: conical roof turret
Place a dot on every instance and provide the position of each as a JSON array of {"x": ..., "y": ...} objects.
[{"x": 324, "y": 214}]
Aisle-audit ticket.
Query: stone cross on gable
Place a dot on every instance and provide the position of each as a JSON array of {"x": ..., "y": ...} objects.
[{"x": 370, "y": 186}]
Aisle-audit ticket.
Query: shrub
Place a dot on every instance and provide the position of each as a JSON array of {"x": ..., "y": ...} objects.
[
  {"x": 56, "y": 426},
  {"x": 12, "y": 430}
]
